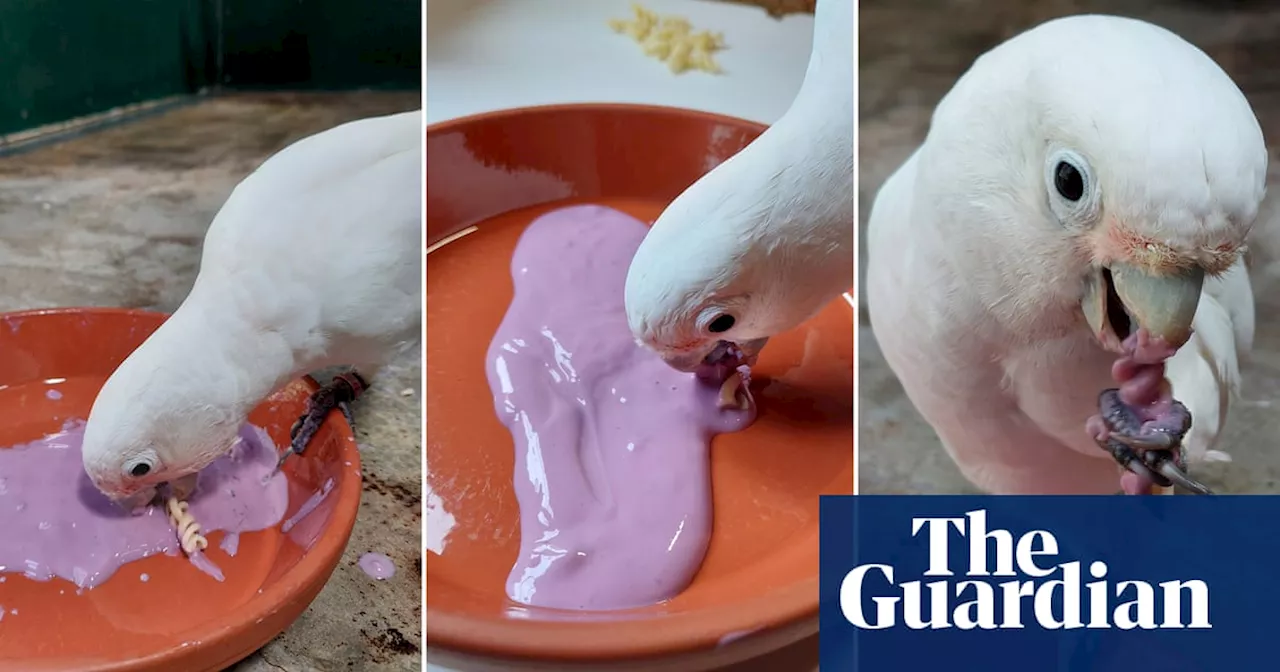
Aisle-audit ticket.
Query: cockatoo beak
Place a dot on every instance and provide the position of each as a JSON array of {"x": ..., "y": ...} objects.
[
  {"x": 751, "y": 349},
  {"x": 687, "y": 362},
  {"x": 1122, "y": 297},
  {"x": 711, "y": 353},
  {"x": 134, "y": 501}
]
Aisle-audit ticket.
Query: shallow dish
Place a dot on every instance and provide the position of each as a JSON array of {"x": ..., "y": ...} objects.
[
  {"x": 758, "y": 587},
  {"x": 180, "y": 618}
]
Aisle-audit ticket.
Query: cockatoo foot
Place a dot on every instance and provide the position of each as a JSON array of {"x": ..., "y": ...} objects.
[
  {"x": 1139, "y": 477},
  {"x": 1160, "y": 425},
  {"x": 1145, "y": 440},
  {"x": 339, "y": 394}
]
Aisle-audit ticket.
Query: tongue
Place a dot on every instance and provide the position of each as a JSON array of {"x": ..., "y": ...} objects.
[
  {"x": 1140, "y": 372},
  {"x": 1143, "y": 388}
]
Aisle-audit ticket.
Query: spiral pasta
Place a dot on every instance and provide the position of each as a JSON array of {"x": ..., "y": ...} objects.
[
  {"x": 729, "y": 393},
  {"x": 188, "y": 529},
  {"x": 671, "y": 40}
]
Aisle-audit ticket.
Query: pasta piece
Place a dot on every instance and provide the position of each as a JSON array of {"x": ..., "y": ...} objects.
[
  {"x": 671, "y": 40},
  {"x": 729, "y": 393},
  {"x": 188, "y": 529}
]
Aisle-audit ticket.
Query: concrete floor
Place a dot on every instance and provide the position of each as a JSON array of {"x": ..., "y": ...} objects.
[
  {"x": 116, "y": 218},
  {"x": 911, "y": 54}
]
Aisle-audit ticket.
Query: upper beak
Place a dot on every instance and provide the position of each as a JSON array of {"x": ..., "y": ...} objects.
[
  {"x": 137, "y": 500},
  {"x": 751, "y": 349},
  {"x": 685, "y": 362},
  {"x": 1122, "y": 297}
]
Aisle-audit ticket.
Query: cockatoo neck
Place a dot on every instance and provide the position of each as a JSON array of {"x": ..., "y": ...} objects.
[
  {"x": 799, "y": 174},
  {"x": 828, "y": 80},
  {"x": 769, "y": 232},
  {"x": 232, "y": 364}
]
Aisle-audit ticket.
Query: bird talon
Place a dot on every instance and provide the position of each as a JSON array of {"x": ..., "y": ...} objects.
[
  {"x": 339, "y": 393},
  {"x": 284, "y": 456},
  {"x": 1161, "y": 467},
  {"x": 1134, "y": 461},
  {"x": 1153, "y": 453},
  {"x": 346, "y": 413},
  {"x": 1168, "y": 467}
]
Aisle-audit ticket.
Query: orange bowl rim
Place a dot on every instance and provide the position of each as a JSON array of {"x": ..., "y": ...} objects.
[
  {"x": 453, "y": 124},
  {"x": 306, "y": 578}
]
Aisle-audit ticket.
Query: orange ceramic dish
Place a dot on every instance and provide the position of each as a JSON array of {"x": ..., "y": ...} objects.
[
  {"x": 179, "y": 619},
  {"x": 496, "y": 172}
]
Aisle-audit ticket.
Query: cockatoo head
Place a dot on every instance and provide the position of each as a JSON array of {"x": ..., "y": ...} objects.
[
  {"x": 1101, "y": 165},
  {"x": 689, "y": 300},
  {"x": 154, "y": 423},
  {"x": 754, "y": 248}
]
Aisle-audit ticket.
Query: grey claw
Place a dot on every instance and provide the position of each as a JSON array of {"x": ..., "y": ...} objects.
[
  {"x": 1178, "y": 477},
  {"x": 1133, "y": 461},
  {"x": 283, "y": 456},
  {"x": 1137, "y": 467}
]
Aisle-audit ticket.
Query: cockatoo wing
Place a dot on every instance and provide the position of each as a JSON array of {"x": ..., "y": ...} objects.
[{"x": 1205, "y": 374}]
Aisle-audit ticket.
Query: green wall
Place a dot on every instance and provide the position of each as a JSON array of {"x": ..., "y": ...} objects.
[
  {"x": 61, "y": 59},
  {"x": 322, "y": 44}
]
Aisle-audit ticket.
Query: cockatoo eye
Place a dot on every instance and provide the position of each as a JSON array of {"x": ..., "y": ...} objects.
[
  {"x": 139, "y": 467},
  {"x": 1068, "y": 181},
  {"x": 721, "y": 324},
  {"x": 1073, "y": 195}
]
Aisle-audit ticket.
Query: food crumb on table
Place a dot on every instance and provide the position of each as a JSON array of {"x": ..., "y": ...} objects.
[{"x": 671, "y": 40}]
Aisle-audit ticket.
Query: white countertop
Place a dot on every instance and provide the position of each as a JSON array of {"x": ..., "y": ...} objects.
[
  {"x": 485, "y": 55},
  {"x": 495, "y": 54}
]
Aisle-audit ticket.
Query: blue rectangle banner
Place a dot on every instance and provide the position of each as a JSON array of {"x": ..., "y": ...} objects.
[{"x": 1049, "y": 584}]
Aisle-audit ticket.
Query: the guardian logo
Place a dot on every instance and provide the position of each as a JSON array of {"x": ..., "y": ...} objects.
[{"x": 987, "y": 604}]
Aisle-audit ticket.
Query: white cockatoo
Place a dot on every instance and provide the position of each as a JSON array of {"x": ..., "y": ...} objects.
[
  {"x": 314, "y": 261},
  {"x": 766, "y": 239},
  {"x": 1086, "y": 185}
]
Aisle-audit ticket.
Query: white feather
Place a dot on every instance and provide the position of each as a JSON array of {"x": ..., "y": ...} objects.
[
  {"x": 1205, "y": 374},
  {"x": 315, "y": 260},
  {"x": 767, "y": 235},
  {"x": 975, "y": 277}
]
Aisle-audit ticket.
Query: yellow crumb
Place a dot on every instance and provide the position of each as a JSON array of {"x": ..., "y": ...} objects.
[{"x": 671, "y": 40}]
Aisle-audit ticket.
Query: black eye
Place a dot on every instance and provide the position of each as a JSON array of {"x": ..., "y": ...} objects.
[
  {"x": 1068, "y": 181},
  {"x": 721, "y": 324},
  {"x": 140, "y": 469}
]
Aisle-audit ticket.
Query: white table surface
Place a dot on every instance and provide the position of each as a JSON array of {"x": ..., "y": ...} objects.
[
  {"x": 485, "y": 55},
  {"x": 490, "y": 55}
]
